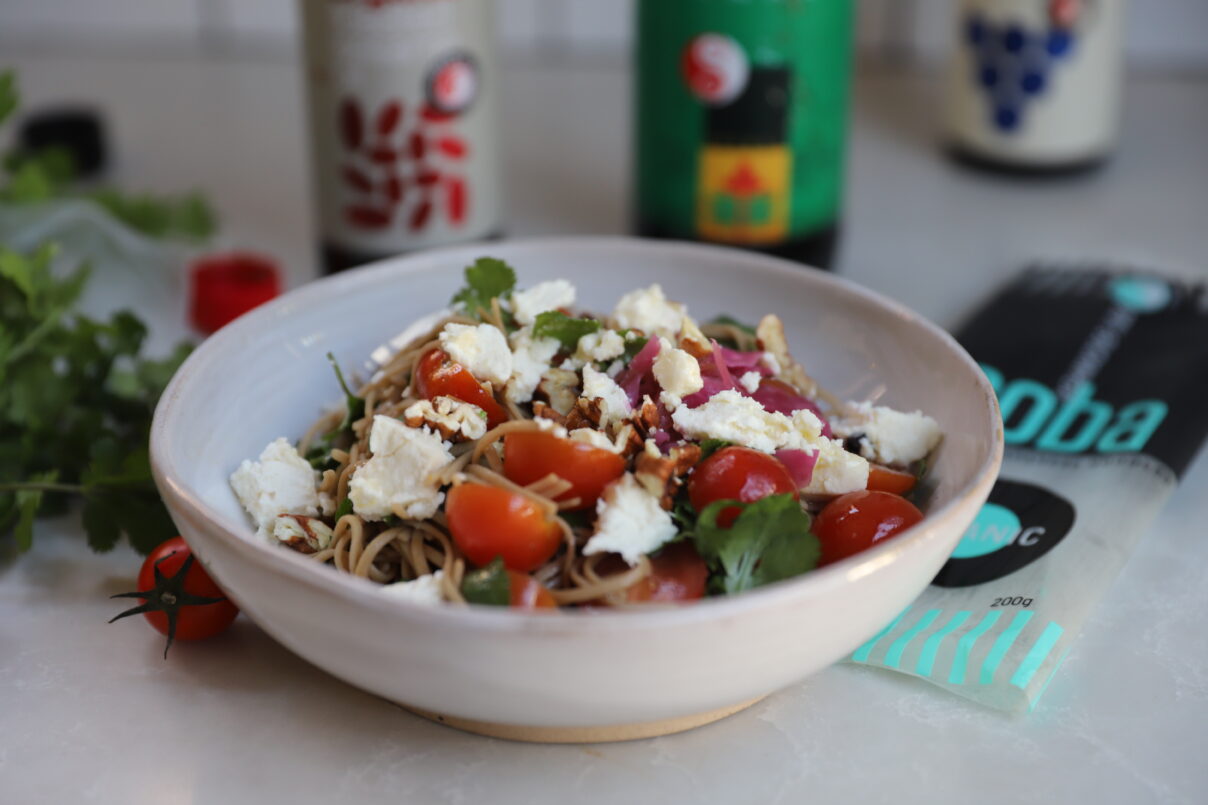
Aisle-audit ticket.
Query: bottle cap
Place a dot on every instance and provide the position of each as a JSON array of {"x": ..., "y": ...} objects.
[
  {"x": 222, "y": 287},
  {"x": 76, "y": 130}
]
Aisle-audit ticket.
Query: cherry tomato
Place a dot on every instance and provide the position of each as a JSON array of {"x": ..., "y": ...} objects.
[
  {"x": 437, "y": 375},
  {"x": 853, "y": 522},
  {"x": 179, "y": 598},
  {"x": 528, "y": 593},
  {"x": 529, "y": 456},
  {"x": 737, "y": 473},
  {"x": 677, "y": 574},
  {"x": 883, "y": 479},
  {"x": 487, "y": 521}
]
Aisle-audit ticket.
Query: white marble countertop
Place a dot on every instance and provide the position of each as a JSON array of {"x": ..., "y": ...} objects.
[{"x": 92, "y": 712}]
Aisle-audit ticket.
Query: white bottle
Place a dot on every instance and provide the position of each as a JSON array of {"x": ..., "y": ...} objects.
[
  {"x": 403, "y": 127},
  {"x": 1035, "y": 84}
]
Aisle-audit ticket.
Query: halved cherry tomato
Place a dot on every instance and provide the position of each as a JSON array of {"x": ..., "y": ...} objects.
[
  {"x": 858, "y": 520},
  {"x": 529, "y": 456},
  {"x": 883, "y": 479},
  {"x": 677, "y": 574},
  {"x": 737, "y": 473},
  {"x": 487, "y": 521},
  {"x": 438, "y": 375},
  {"x": 528, "y": 593}
]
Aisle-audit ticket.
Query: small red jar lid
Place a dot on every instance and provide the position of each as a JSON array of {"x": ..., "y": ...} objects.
[{"x": 222, "y": 287}]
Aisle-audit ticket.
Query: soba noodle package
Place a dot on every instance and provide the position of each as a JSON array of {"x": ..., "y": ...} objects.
[{"x": 1102, "y": 379}]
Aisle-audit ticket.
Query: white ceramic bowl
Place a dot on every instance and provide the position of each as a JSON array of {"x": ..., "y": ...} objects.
[{"x": 265, "y": 376}]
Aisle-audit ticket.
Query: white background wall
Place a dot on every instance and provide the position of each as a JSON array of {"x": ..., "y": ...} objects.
[{"x": 1164, "y": 34}]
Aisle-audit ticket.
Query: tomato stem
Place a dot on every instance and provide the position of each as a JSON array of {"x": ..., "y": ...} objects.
[{"x": 167, "y": 596}]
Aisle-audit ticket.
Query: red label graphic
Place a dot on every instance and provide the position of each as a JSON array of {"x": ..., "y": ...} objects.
[
  {"x": 715, "y": 68},
  {"x": 400, "y": 169}
]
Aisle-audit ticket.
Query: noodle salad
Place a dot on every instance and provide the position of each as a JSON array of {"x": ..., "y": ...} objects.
[{"x": 523, "y": 453}]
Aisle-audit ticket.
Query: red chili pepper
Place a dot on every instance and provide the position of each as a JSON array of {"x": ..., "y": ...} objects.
[
  {"x": 393, "y": 187},
  {"x": 433, "y": 115},
  {"x": 222, "y": 287},
  {"x": 367, "y": 217},
  {"x": 352, "y": 127},
  {"x": 389, "y": 117},
  {"x": 453, "y": 147},
  {"x": 456, "y": 199},
  {"x": 357, "y": 180},
  {"x": 419, "y": 146},
  {"x": 384, "y": 156},
  {"x": 420, "y": 217}
]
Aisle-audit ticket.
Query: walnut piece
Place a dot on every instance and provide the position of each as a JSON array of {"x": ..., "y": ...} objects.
[{"x": 662, "y": 476}]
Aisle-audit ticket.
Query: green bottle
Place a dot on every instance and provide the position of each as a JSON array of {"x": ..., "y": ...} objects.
[{"x": 741, "y": 122}]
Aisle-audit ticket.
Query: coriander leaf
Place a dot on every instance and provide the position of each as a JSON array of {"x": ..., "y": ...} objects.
[
  {"x": 488, "y": 585},
  {"x": 354, "y": 405},
  {"x": 710, "y": 446},
  {"x": 487, "y": 279},
  {"x": 567, "y": 330},
  {"x": 633, "y": 346},
  {"x": 187, "y": 217},
  {"x": 733, "y": 322},
  {"x": 769, "y": 541},
  {"x": 344, "y": 508},
  {"x": 101, "y": 523},
  {"x": 29, "y": 183},
  {"x": 28, "y": 502},
  {"x": 9, "y": 97}
]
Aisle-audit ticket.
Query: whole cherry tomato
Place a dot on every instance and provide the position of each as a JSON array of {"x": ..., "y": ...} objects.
[
  {"x": 529, "y": 456},
  {"x": 437, "y": 375},
  {"x": 677, "y": 574},
  {"x": 858, "y": 520},
  {"x": 737, "y": 473},
  {"x": 179, "y": 598},
  {"x": 487, "y": 521}
]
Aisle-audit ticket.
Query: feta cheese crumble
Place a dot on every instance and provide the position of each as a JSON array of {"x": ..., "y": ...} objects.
[
  {"x": 595, "y": 438},
  {"x": 530, "y": 361},
  {"x": 401, "y": 471},
  {"x": 630, "y": 522},
  {"x": 293, "y": 529},
  {"x": 614, "y": 400},
  {"x": 600, "y": 346},
  {"x": 750, "y": 381},
  {"x": 648, "y": 310},
  {"x": 837, "y": 471},
  {"x": 481, "y": 349},
  {"x": 677, "y": 372},
  {"x": 551, "y": 295},
  {"x": 731, "y": 416},
  {"x": 422, "y": 590},
  {"x": 280, "y": 482},
  {"x": 892, "y": 437}
]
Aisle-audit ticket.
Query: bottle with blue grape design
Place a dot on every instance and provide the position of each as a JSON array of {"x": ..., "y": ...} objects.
[{"x": 1035, "y": 85}]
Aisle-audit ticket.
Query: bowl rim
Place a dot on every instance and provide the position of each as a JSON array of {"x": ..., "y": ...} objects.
[{"x": 306, "y": 573}]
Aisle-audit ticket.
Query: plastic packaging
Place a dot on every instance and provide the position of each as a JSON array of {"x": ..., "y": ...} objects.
[{"x": 1103, "y": 381}]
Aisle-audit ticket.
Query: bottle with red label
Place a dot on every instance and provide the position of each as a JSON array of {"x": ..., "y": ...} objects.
[
  {"x": 403, "y": 125},
  {"x": 1035, "y": 85}
]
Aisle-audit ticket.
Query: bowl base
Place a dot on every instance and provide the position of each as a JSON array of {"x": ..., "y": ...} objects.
[{"x": 582, "y": 735}]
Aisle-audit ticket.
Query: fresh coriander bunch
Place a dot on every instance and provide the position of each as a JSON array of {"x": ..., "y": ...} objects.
[{"x": 76, "y": 394}]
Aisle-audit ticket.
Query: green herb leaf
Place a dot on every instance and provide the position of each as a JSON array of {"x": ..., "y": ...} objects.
[
  {"x": 633, "y": 345},
  {"x": 354, "y": 406},
  {"x": 733, "y": 322},
  {"x": 187, "y": 217},
  {"x": 487, "y": 279},
  {"x": 710, "y": 446},
  {"x": 768, "y": 542},
  {"x": 344, "y": 508},
  {"x": 488, "y": 585},
  {"x": 564, "y": 328},
  {"x": 28, "y": 501},
  {"x": 9, "y": 97}
]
